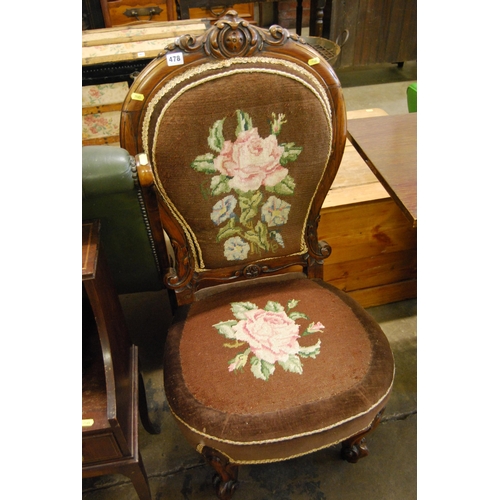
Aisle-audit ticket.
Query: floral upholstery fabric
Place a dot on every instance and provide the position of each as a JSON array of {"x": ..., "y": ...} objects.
[
  {"x": 251, "y": 160},
  {"x": 277, "y": 397}
]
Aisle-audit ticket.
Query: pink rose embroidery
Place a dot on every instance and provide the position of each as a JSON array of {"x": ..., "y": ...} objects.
[
  {"x": 251, "y": 161},
  {"x": 272, "y": 336},
  {"x": 250, "y": 178}
]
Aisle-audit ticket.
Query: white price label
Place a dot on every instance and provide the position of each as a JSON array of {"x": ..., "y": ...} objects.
[{"x": 175, "y": 59}]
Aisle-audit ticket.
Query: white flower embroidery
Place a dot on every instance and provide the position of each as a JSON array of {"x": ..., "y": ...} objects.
[
  {"x": 223, "y": 210},
  {"x": 275, "y": 211},
  {"x": 236, "y": 248}
]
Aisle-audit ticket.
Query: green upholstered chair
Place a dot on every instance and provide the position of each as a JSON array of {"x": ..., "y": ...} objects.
[
  {"x": 239, "y": 134},
  {"x": 110, "y": 193}
]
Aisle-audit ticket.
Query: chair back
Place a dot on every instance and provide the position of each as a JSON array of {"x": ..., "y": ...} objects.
[{"x": 240, "y": 133}]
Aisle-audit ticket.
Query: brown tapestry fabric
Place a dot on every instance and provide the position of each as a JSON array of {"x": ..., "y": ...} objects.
[
  {"x": 235, "y": 408},
  {"x": 188, "y": 111}
]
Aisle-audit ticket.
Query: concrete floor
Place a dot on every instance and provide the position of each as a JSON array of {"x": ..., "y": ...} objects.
[{"x": 175, "y": 470}]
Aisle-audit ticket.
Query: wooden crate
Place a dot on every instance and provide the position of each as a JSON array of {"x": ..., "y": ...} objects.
[
  {"x": 374, "y": 247},
  {"x": 129, "y": 43},
  {"x": 374, "y": 251},
  {"x": 101, "y": 104},
  {"x": 101, "y": 110}
]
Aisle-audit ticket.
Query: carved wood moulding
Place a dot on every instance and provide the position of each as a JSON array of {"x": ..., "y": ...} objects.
[{"x": 232, "y": 36}]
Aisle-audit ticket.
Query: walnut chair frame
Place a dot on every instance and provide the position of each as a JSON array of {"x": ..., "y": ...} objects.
[{"x": 234, "y": 216}]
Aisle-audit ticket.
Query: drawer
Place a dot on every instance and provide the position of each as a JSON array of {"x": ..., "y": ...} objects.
[
  {"x": 245, "y": 11},
  {"x": 117, "y": 11},
  {"x": 99, "y": 448}
]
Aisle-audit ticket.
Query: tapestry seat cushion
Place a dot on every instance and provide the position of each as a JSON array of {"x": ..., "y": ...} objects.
[{"x": 267, "y": 373}]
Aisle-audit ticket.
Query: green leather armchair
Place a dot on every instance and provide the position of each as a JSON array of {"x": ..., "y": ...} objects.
[{"x": 110, "y": 193}]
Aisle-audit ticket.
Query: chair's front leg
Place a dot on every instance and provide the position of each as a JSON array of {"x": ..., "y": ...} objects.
[
  {"x": 355, "y": 447},
  {"x": 226, "y": 479}
]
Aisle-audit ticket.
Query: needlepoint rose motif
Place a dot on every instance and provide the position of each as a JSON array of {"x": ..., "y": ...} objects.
[
  {"x": 255, "y": 171},
  {"x": 271, "y": 336}
]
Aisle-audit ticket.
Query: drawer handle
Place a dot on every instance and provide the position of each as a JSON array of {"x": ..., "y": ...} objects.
[
  {"x": 217, "y": 14},
  {"x": 146, "y": 11}
]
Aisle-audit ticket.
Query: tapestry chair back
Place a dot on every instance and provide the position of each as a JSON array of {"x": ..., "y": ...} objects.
[{"x": 243, "y": 147}]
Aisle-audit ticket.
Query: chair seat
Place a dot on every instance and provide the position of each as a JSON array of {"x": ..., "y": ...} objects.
[{"x": 283, "y": 368}]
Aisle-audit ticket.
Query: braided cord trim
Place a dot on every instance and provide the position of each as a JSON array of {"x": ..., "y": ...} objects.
[{"x": 313, "y": 85}]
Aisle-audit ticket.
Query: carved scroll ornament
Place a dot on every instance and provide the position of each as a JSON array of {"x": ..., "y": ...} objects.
[{"x": 232, "y": 36}]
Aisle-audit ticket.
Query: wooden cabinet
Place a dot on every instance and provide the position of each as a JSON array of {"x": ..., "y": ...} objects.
[
  {"x": 380, "y": 31},
  {"x": 110, "y": 380}
]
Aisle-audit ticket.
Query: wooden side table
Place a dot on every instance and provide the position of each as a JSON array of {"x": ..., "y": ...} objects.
[{"x": 111, "y": 382}]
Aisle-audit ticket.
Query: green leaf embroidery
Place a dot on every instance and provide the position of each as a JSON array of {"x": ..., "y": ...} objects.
[
  {"x": 297, "y": 315},
  {"x": 227, "y": 231},
  {"x": 310, "y": 352},
  {"x": 225, "y": 328},
  {"x": 219, "y": 185},
  {"x": 285, "y": 187},
  {"x": 249, "y": 203},
  {"x": 258, "y": 236},
  {"x": 261, "y": 369},
  {"x": 291, "y": 152},
  {"x": 240, "y": 308},
  {"x": 204, "y": 163},
  {"x": 274, "y": 307},
  {"x": 244, "y": 122},
  {"x": 292, "y": 303},
  {"x": 216, "y": 137},
  {"x": 292, "y": 364}
]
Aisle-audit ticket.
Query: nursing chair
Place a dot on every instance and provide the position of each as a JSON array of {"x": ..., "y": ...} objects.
[{"x": 239, "y": 133}]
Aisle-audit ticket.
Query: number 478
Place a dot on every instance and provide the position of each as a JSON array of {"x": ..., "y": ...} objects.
[{"x": 175, "y": 59}]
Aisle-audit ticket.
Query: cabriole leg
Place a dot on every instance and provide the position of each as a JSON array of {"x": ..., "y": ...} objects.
[
  {"x": 355, "y": 447},
  {"x": 226, "y": 478}
]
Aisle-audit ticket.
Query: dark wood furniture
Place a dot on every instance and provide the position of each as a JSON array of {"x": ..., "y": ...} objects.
[
  {"x": 264, "y": 361},
  {"x": 111, "y": 381},
  {"x": 388, "y": 144},
  {"x": 92, "y": 17},
  {"x": 382, "y": 31}
]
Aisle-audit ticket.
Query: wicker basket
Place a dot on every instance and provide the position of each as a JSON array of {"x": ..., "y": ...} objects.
[{"x": 328, "y": 49}]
